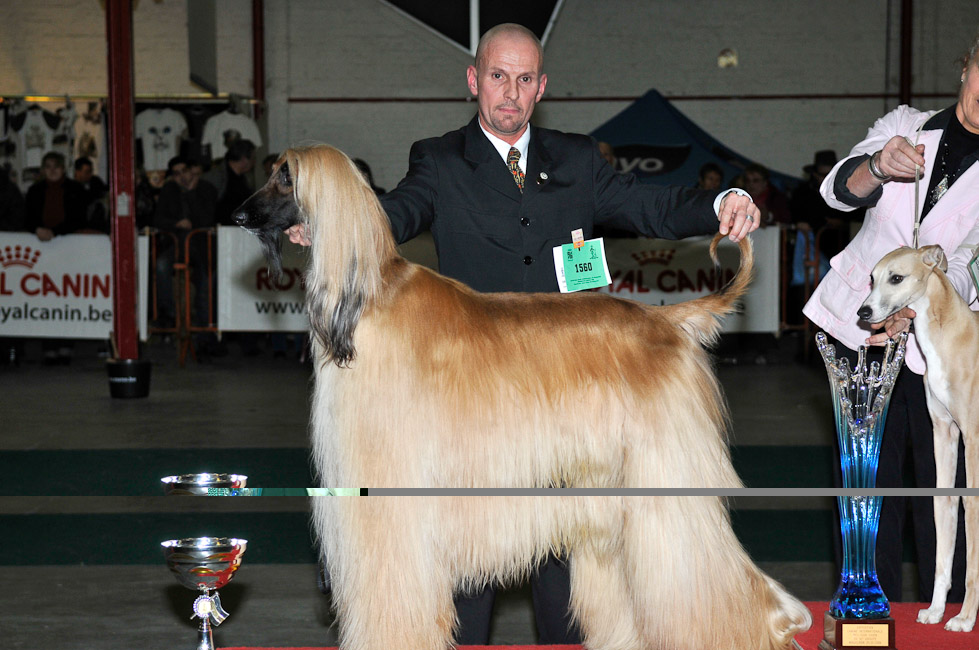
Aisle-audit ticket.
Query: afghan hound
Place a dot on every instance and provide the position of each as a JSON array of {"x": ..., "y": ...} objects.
[{"x": 422, "y": 382}]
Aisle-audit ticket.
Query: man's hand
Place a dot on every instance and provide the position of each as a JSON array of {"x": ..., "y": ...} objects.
[
  {"x": 297, "y": 235},
  {"x": 893, "y": 325},
  {"x": 738, "y": 216}
]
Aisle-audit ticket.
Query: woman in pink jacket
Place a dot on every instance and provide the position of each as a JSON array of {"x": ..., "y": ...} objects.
[{"x": 879, "y": 173}]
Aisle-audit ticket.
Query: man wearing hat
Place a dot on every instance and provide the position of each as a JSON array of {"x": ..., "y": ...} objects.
[{"x": 810, "y": 212}]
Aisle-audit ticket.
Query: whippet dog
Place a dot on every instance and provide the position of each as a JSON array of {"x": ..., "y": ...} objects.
[{"x": 947, "y": 331}]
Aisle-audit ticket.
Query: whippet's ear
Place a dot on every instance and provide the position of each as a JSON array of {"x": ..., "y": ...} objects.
[{"x": 934, "y": 256}]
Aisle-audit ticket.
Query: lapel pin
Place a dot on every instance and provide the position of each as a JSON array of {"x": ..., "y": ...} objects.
[{"x": 542, "y": 178}]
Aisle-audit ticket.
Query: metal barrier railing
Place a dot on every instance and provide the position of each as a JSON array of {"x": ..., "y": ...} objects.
[{"x": 186, "y": 254}]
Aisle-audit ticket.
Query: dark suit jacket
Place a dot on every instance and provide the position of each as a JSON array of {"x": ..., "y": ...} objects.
[{"x": 493, "y": 238}]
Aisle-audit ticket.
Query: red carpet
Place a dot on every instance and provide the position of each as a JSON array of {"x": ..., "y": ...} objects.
[
  {"x": 462, "y": 647},
  {"x": 910, "y": 634}
]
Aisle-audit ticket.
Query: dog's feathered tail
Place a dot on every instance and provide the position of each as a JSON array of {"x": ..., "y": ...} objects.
[{"x": 701, "y": 318}]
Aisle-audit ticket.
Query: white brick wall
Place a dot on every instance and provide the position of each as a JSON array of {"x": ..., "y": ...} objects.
[
  {"x": 58, "y": 46},
  {"x": 614, "y": 48}
]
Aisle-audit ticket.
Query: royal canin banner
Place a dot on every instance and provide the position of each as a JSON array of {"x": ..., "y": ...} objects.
[
  {"x": 248, "y": 298},
  {"x": 662, "y": 272},
  {"x": 652, "y": 271},
  {"x": 56, "y": 289}
]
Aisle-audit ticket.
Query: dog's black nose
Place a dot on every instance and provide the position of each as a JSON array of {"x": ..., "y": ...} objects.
[
  {"x": 240, "y": 218},
  {"x": 865, "y": 312}
]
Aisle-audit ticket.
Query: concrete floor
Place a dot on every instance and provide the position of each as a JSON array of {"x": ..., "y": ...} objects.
[{"x": 259, "y": 402}]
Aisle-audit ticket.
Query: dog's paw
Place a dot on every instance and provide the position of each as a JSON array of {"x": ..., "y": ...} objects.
[
  {"x": 931, "y": 615},
  {"x": 960, "y": 623}
]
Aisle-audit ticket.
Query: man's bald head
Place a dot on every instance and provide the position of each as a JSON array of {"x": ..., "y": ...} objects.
[{"x": 510, "y": 30}]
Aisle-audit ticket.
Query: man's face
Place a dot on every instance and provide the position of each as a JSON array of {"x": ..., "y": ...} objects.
[
  {"x": 83, "y": 174},
  {"x": 507, "y": 85},
  {"x": 755, "y": 183},
  {"x": 711, "y": 181},
  {"x": 53, "y": 171},
  {"x": 182, "y": 176}
]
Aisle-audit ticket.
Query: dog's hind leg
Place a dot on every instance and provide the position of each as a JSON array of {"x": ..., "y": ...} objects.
[
  {"x": 601, "y": 602},
  {"x": 946, "y": 436},
  {"x": 965, "y": 620}
]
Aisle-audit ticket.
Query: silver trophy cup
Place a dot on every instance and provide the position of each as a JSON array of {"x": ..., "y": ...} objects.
[
  {"x": 205, "y": 564},
  {"x": 207, "y": 484}
]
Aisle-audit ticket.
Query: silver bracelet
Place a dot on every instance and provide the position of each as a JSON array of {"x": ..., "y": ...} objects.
[{"x": 872, "y": 164}]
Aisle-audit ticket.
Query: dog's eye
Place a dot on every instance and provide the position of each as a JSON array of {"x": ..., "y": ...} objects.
[
  {"x": 871, "y": 282},
  {"x": 896, "y": 279}
]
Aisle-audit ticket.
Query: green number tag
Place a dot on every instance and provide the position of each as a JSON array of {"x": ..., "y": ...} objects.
[{"x": 583, "y": 267}]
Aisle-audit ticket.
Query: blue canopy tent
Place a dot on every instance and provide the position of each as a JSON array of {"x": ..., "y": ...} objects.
[{"x": 659, "y": 144}]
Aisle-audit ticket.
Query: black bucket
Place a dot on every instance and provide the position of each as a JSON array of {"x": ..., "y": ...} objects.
[{"x": 128, "y": 377}]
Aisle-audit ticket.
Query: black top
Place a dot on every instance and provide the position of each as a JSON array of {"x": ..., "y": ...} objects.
[{"x": 490, "y": 236}]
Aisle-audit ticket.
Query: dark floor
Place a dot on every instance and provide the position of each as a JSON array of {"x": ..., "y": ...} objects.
[{"x": 81, "y": 502}]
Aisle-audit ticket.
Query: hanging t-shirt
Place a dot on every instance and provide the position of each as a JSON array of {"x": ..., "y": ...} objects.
[
  {"x": 35, "y": 130},
  {"x": 64, "y": 134},
  {"x": 90, "y": 138},
  {"x": 226, "y": 127},
  {"x": 159, "y": 130}
]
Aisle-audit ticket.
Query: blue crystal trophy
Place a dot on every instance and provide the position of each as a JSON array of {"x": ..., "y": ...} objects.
[{"x": 859, "y": 614}]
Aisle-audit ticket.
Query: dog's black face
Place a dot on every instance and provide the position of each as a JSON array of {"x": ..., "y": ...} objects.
[{"x": 268, "y": 212}]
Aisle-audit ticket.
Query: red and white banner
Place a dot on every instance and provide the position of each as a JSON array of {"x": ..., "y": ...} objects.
[
  {"x": 663, "y": 272},
  {"x": 250, "y": 300},
  {"x": 60, "y": 288}
]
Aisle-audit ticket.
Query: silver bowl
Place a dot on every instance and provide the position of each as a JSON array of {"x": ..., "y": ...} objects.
[
  {"x": 204, "y": 563},
  {"x": 203, "y": 484}
]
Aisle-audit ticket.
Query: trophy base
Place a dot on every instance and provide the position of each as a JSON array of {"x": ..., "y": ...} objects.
[{"x": 857, "y": 634}]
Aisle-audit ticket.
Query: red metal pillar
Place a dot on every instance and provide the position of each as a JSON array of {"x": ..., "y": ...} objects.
[
  {"x": 122, "y": 178},
  {"x": 907, "y": 29}
]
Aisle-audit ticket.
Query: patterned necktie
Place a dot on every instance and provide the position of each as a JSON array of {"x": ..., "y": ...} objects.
[{"x": 513, "y": 162}]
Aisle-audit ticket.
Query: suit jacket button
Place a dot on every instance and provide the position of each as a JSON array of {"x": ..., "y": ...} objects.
[
  {"x": 528, "y": 260},
  {"x": 524, "y": 221}
]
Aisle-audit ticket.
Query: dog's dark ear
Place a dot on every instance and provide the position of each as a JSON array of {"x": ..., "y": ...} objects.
[{"x": 934, "y": 256}]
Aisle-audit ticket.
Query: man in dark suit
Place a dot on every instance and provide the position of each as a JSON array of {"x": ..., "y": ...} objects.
[{"x": 498, "y": 195}]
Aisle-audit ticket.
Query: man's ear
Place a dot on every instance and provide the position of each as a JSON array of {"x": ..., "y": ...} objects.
[{"x": 472, "y": 80}]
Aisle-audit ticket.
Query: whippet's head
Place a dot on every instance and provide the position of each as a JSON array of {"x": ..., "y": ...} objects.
[{"x": 900, "y": 278}]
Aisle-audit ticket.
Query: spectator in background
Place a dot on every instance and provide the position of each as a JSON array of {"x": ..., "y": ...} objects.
[
  {"x": 186, "y": 202},
  {"x": 608, "y": 153},
  {"x": 55, "y": 206},
  {"x": 710, "y": 177},
  {"x": 55, "y": 203},
  {"x": 231, "y": 178},
  {"x": 96, "y": 209},
  {"x": 147, "y": 194},
  {"x": 774, "y": 205},
  {"x": 811, "y": 213}
]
